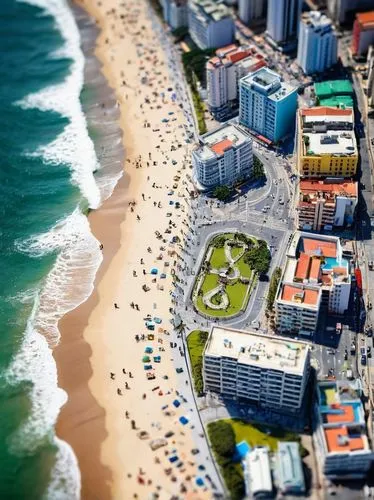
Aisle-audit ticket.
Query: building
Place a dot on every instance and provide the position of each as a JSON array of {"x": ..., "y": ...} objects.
[
  {"x": 223, "y": 157},
  {"x": 266, "y": 371},
  {"x": 326, "y": 142},
  {"x": 223, "y": 72},
  {"x": 325, "y": 204},
  {"x": 337, "y": 93},
  {"x": 210, "y": 24},
  {"x": 283, "y": 20},
  {"x": 257, "y": 474},
  {"x": 341, "y": 443},
  {"x": 290, "y": 469},
  {"x": 315, "y": 277},
  {"x": 363, "y": 33},
  {"x": 175, "y": 12},
  {"x": 343, "y": 12},
  {"x": 267, "y": 104},
  {"x": 317, "y": 46},
  {"x": 252, "y": 10},
  {"x": 370, "y": 81}
]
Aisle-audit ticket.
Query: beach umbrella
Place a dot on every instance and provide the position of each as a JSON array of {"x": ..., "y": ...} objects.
[
  {"x": 176, "y": 403},
  {"x": 154, "y": 270},
  {"x": 148, "y": 350},
  {"x": 183, "y": 420}
]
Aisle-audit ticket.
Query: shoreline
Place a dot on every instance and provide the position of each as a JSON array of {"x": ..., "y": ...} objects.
[{"x": 97, "y": 341}]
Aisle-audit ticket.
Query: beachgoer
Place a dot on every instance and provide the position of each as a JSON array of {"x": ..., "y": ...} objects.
[
  {"x": 127, "y": 385},
  {"x": 127, "y": 414},
  {"x": 119, "y": 392},
  {"x": 116, "y": 306},
  {"x": 112, "y": 375},
  {"x": 101, "y": 246},
  {"x": 123, "y": 371},
  {"x": 130, "y": 374}
]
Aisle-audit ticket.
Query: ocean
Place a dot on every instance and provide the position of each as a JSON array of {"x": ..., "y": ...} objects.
[{"x": 60, "y": 156}]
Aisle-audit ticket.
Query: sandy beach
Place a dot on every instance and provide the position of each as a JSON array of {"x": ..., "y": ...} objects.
[{"x": 114, "y": 411}]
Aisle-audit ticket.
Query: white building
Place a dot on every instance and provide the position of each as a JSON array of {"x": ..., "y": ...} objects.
[
  {"x": 223, "y": 157},
  {"x": 315, "y": 275},
  {"x": 258, "y": 473},
  {"x": 267, "y": 371},
  {"x": 290, "y": 468},
  {"x": 210, "y": 24},
  {"x": 283, "y": 19},
  {"x": 223, "y": 72},
  {"x": 317, "y": 46},
  {"x": 267, "y": 104},
  {"x": 175, "y": 12},
  {"x": 251, "y": 10},
  {"x": 340, "y": 438}
]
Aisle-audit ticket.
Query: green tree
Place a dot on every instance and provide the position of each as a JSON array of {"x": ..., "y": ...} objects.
[
  {"x": 222, "y": 437},
  {"x": 222, "y": 193},
  {"x": 276, "y": 276},
  {"x": 258, "y": 257},
  {"x": 258, "y": 168}
]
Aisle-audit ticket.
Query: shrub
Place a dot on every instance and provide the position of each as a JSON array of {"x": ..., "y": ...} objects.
[
  {"x": 276, "y": 276},
  {"x": 258, "y": 168},
  {"x": 222, "y": 437},
  {"x": 222, "y": 193},
  {"x": 234, "y": 482}
]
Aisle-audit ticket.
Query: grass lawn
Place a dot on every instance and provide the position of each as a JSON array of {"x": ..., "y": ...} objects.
[
  {"x": 260, "y": 435},
  {"x": 196, "y": 341},
  {"x": 210, "y": 282},
  {"x": 244, "y": 268},
  {"x": 235, "y": 251},
  {"x": 218, "y": 259}
]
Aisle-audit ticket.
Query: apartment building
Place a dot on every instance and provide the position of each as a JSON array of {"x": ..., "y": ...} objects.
[
  {"x": 326, "y": 142},
  {"x": 262, "y": 370},
  {"x": 210, "y": 24},
  {"x": 267, "y": 104},
  {"x": 283, "y": 20},
  {"x": 343, "y": 12},
  {"x": 252, "y": 10},
  {"x": 317, "y": 44},
  {"x": 224, "y": 71},
  {"x": 175, "y": 12},
  {"x": 363, "y": 33},
  {"x": 315, "y": 275},
  {"x": 341, "y": 442},
  {"x": 324, "y": 204},
  {"x": 223, "y": 157}
]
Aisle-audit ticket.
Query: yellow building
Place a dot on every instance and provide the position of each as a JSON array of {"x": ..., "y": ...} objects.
[{"x": 326, "y": 142}]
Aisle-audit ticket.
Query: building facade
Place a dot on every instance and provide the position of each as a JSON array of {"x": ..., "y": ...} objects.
[
  {"x": 283, "y": 20},
  {"x": 290, "y": 468},
  {"x": 341, "y": 442},
  {"x": 343, "y": 12},
  {"x": 326, "y": 204},
  {"x": 363, "y": 33},
  {"x": 370, "y": 84},
  {"x": 267, "y": 104},
  {"x": 175, "y": 12},
  {"x": 223, "y": 72},
  {"x": 315, "y": 277},
  {"x": 210, "y": 24},
  {"x": 252, "y": 10},
  {"x": 326, "y": 142},
  {"x": 317, "y": 45},
  {"x": 223, "y": 157},
  {"x": 262, "y": 370}
]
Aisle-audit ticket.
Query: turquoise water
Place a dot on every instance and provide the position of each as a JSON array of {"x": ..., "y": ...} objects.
[
  {"x": 331, "y": 262},
  {"x": 46, "y": 180}
]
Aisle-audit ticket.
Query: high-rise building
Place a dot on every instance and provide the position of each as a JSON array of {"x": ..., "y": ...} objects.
[
  {"x": 325, "y": 204},
  {"x": 266, "y": 371},
  {"x": 317, "y": 45},
  {"x": 283, "y": 20},
  {"x": 223, "y": 157},
  {"x": 175, "y": 12},
  {"x": 326, "y": 142},
  {"x": 252, "y": 10},
  {"x": 341, "y": 443},
  {"x": 210, "y": 24},
  {"x": 223, "y": 72},
  {"x": 343, "y": 12},
  {"x": 363, "y": 33},
  {"x": 267, "y": 104},
  {"x": 315, "y": 275}
]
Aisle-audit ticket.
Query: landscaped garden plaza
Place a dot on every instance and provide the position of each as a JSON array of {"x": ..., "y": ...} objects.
[{"x": 228, "y": 274}]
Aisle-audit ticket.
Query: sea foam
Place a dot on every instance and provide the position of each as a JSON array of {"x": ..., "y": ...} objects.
[{"x": 73, "y": 146}]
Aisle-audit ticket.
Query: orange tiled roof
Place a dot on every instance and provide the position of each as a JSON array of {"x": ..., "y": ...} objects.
[
  {"x": 346, "y": 414},
  {"x": 319, "y": 247},
  {"x": 221, "y": 146},
  {"x": 314, "y": 269},
  {"x": 310, "y": 297},
  {"x": 302, "y": 267},
  {"x": 365, "y": 17},
  {"x": 348, "y": 188},
  {"x": 339, "y": 270},
  {"x": 326, "y": 110},
  {"x": 353, "y": 443},
  {"x": 238, "y": 55},
  {"x": 225, "y": 50}
]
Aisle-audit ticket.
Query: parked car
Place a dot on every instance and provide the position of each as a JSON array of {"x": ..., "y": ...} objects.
[{"x": 363, "y": 359}]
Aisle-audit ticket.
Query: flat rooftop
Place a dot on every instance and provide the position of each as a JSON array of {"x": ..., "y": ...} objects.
[
  {"x": 252, "y": 348},
  {"x": 215, "y": 143},
  {"x": 347, "y": 189},
  {"x": 366, "y": 19},
  {"x": 342, "y": 440},
  {"x": 210, "y": 10},
  {"x": 316, "y": 19},
  {"x": 270, "y": 83},
  {"x": 332, "y": 143}
]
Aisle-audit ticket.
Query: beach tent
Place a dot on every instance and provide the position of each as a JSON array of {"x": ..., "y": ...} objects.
[
  {"x": 154, "y": 270},
  {"x": 146, "y": 359},
  {"x": 157, "y": 359},
  {"x": 183, "y": 420},
  {"x": 148, "y": 350},
  {"x": 199, "y": 481},
  {"x": 176, "y": 403}
]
